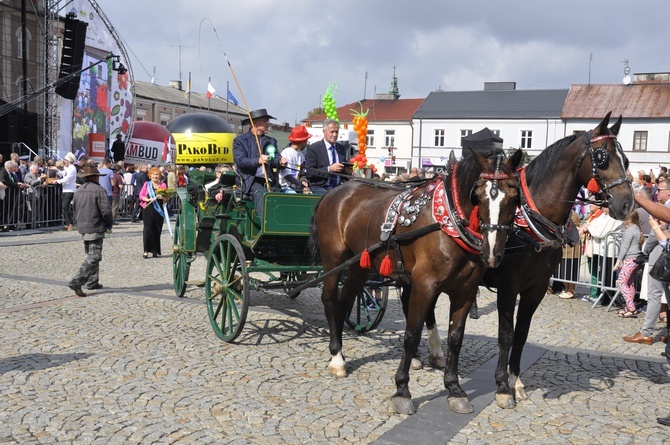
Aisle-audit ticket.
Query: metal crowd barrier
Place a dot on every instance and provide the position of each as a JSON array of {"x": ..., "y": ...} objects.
[
  {"x": 31, "y": 208},
  {"x": 41, "y": 207},
  {"x": 578, "y": 269}
]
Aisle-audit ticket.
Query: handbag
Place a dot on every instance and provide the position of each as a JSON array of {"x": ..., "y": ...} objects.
[
  {"x": 641, "y": 258},
  {"x": 661, "y": 268}
]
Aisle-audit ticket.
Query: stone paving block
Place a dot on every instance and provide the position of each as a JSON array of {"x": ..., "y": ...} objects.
[{"x": 133, "y": 364}]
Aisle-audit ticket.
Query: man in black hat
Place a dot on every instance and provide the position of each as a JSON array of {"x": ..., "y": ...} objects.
[
  {"x": 254, "y": 163},
  {"x": 94, "y": 218}
]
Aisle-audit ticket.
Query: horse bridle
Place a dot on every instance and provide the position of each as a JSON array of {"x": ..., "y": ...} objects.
[
  {"x": 496, "y": 176},
  {"x": 600, "y": 160}
]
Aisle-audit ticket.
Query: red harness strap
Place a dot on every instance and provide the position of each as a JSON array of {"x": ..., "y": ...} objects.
[
  {"x": 519, "y": 218},
  {"x": 441, "y": 215}
]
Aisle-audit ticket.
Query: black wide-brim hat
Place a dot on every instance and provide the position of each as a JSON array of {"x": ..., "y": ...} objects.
[
  {"x": 257, "y": 114},
  {"x": 89, "y": 170}
]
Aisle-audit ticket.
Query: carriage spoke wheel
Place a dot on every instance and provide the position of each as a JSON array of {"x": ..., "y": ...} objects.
[
  {"x": 180, "y": 265},
  {"x": 367, "y": 311},
  {"x": 227, "y": 287}
]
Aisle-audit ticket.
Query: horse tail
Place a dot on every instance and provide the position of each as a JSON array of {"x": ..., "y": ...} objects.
[{"x": 313, "y": 242}]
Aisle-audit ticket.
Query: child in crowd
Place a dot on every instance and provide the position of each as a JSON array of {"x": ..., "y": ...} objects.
[{"x": 625, "y": 263}]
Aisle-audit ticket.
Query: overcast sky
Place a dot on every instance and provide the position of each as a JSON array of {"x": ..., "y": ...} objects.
[{"x": 285, "y": 53}]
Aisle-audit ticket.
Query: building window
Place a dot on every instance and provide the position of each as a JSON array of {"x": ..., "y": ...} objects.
[
  {"x": 19, "y": 43},
  {"x": 389, "y": 138},
  {"x": 439, "y": 137},
  {"x": 496, "y": 132},
  {"x": 526, "y": 139},
  {"x": 465, "y": 133},
  {"x": 165, "y": 119},
  {"x": 640, "y": 141},
  {"x": 370, "y": 138}
]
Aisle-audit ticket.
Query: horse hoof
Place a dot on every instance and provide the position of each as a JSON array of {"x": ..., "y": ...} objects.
[
  {"x": 460, "y": 405},
  {"x": 416, "y": 364},
  {"x": 505, "y": 401},
  {"x": 437, "y": 361},
  {"x": 402, "y": 405},
  {"x": 337, "y": 371}
]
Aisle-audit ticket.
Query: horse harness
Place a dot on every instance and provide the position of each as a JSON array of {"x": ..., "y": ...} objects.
[
  {"x": 446, "y": 210},
  {"x": 600, "y": 161},
  {"x": 539, "y": 231}
]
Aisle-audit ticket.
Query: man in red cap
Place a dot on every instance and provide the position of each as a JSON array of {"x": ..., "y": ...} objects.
[{"x": 290, "y": 178}]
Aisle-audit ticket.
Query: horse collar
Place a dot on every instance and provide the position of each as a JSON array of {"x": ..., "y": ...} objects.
[{"x": 528, "y": 218}]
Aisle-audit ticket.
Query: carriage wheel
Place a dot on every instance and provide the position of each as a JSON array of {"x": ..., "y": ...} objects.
[
  {"x": 180, "y": 265},
  {"x": 367, "y": 312},
  {"x": 227, "y": 287}
]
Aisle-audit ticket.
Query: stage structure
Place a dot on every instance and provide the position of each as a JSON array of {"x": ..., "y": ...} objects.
[{"x": 103, "y": 102}]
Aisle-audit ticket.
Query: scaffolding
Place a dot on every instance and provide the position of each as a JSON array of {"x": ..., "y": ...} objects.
[{"x": 51, "y": 100}]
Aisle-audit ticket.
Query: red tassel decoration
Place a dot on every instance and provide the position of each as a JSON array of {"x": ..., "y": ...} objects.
[
  {"x": 365, "y": 259},
  {"x": 385, "y": 268},
  {"x": 474, "y": 219},
  {"x": 593, "y": 186}
]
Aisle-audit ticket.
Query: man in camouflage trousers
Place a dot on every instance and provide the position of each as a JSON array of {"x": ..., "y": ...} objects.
[{"x": 94, "y": 218}]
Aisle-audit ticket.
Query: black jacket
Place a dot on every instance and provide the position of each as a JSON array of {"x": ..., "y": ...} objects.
[{"x": 92, "y": 209}]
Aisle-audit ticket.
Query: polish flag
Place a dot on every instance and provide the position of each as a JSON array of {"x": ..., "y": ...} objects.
[
  {"x": 210, "y": 90},
  {"x": 166, "y": 150}
]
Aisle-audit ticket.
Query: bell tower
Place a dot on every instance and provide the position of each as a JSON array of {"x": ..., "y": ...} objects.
[{"x": 394, "y": 85}]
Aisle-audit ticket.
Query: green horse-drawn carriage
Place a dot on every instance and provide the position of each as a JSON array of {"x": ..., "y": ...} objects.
[{"x": 244, "y": 252}]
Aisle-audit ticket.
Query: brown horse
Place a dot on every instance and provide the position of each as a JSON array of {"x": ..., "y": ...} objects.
[
  {"x": 549, "y": 184},
  {"x": 351, "y": 218}
]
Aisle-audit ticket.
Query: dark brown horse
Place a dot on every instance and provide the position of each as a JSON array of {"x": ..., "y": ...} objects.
[
  {"x": 550, "y": 184},
  {"x": 349, "y": 220}
]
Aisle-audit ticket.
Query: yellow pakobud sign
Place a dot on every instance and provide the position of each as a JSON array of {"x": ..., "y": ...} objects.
[{"x": 203, "y": 148}]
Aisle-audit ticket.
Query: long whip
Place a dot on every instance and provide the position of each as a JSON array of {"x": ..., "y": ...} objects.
[{"x": 239, "y": 88}]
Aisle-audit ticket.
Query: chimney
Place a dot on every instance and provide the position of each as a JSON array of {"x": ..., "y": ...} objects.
[
  {"x": 176, "y": 84},
  {"x": 499, "y": 86},
  {"x": 651, "y": 78}
]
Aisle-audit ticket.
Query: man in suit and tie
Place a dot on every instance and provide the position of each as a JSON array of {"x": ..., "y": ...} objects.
[{"x": 328, "y": 156}]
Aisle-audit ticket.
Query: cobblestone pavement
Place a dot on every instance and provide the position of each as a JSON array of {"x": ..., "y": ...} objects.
[{"x": 132, "y": 363}]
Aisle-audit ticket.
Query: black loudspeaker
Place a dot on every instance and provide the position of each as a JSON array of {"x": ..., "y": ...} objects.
[{"x": 74, "y": 40}]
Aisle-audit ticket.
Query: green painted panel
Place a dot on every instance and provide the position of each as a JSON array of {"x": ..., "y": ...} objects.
[
  {"x": 188, "y": 221},
  {"x": 289, "y": 214}
]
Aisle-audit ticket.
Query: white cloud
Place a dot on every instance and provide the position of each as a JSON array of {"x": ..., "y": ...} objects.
[{"x": 285, "y": 54}]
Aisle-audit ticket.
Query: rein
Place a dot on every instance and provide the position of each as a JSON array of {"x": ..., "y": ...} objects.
[{"x": 356, "y": 258}]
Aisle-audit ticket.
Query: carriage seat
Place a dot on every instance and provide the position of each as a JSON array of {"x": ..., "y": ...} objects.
[{"x": 226, "y": 183}]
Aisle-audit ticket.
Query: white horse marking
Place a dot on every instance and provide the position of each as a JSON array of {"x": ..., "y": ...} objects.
[{"x": 494, "y": 213}]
